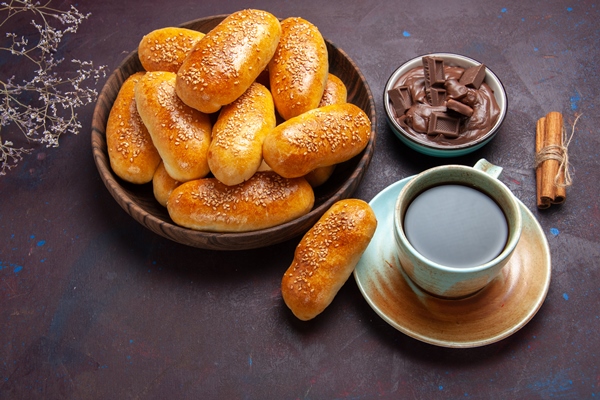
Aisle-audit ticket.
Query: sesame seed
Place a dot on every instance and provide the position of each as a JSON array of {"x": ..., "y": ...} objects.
[
  {"x": 232, "y": 133},
  {"x": 260, "y": 191},
  {"x": 218, "y": 57},
  {"x": 316, "y": 245},
  {"x": 132, "y": 134}
]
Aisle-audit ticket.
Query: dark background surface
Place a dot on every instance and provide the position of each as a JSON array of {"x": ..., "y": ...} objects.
[{"x": 94, "y": 306}]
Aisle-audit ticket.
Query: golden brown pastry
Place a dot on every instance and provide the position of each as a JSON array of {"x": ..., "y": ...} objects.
[
  {"x": 263, "y": 78},
  {"x": 235, "y": 152},
  {"x": 163, "y": 185},
  {"x": 326, "y": 256},
  {"x": 335, "y": 91},
  {"x": 228, "y": 59},
  {"x": 263, "y": 201},
  {"x": 165, "y": 49},
  {"x": 299, "y": 68},
  {"x": 318, "y": 138},
  {"x": 132, "y": 155},
  {"x": 264, "y": 167},
  {"x": 320, "y": 175},
  {"x": 180, "y": 133}
]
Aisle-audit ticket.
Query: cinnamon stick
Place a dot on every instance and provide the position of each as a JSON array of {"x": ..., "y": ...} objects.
[
  {"x": 560, "y": 194},
  {"x": 553, "y": 139},
  {"x": 549, "y": 148},
  {"x": 540, "y": 133}
]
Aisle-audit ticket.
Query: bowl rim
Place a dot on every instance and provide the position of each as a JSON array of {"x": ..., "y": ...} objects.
[
  {"x": 434, "y": 148},
  {"x": 218, "y": 240}
]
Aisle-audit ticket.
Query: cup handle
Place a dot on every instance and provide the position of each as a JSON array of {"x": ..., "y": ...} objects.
[{"x": 489, "y": 168}]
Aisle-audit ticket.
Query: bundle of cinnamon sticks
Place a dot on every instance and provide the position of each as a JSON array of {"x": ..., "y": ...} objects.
[{"x": 550, "y": 160}]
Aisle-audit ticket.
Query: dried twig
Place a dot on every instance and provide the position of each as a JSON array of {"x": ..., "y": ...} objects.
[{"x": 43, "y": 105}]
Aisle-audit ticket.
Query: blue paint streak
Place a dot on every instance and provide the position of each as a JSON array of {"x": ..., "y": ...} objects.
[
  {"x": 250, "y": 361},
  {"x": 41, "y": 243},
  {"x": 554, "y": 231},
  {"x": 569, "y": 9},
  {"x": 441, "y": 387},
  {"x": 406, "y": 34},
  {"x": 16, "y": 268},
  {"x": 503, "y": 10},
  {"x": 555, "y": 386},
  {"x": 565, "y": 296},
  {"x": 574, "y": 100}
]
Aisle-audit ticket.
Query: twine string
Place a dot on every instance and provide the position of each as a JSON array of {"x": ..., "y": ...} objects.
[{"x": 559, "y": 153}]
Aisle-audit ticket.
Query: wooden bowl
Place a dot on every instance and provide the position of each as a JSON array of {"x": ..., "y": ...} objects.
[{"x": 139, "y": 202}]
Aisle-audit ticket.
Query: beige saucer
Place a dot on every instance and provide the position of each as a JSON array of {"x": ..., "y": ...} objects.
[{"x": 494, "y": 313}]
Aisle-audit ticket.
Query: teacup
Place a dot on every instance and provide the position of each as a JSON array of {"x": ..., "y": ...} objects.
[{"x": 456, "y": 227}]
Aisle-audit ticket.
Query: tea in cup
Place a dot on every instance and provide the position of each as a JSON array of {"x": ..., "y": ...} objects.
[{"x": 456, "y": 227}]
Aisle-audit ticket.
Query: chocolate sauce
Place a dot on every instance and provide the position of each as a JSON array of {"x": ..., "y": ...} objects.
[
  {"x": 415, "y": 120},
  {"x": 456, "y": 226}
]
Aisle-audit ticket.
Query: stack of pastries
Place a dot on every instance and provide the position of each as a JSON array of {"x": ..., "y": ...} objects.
[{"x": 234, "y": 127}]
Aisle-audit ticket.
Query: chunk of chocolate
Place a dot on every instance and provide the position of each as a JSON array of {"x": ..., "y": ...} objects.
[
  {"x": 471, "y": 98},
  {"x": 459, "y": 107},
  {"x": 473, "y": 77},
  {"x": 479, "y": 103},
  {"x": 433, "y": 69},
  {"x": 401, "y": 99},
  {"x": 442, "y": 123},
  {"x": 436, "y": 96},
  {"x": 419, "y": 114},
  {"x": 405, "y": 92},
  {"x": 454, "y": 90}
]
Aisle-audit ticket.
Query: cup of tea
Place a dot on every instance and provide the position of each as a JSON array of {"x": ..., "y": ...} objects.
[{"x": 456, "y": 227}]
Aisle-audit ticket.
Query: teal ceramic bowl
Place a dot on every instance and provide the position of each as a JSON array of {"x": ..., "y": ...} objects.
[{"x": 430, "y": 148}]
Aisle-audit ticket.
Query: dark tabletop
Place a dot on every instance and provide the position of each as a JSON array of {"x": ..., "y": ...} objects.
[{"x": 95, "y": 306}]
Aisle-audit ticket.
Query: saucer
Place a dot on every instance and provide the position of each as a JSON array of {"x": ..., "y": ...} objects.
[{"x": 503, "y": 307}]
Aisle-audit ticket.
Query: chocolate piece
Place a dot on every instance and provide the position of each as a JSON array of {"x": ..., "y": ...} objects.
[
  {"x": 397, "y": 101},
  {"x": 436, "y": 96},
  {"x": 417, "y": 117},
  {"x": 455, "y": 90},
  {"x": 415, "y": 121},
  {"x": 401, "y": 99},
  {"x": 459, "y": 107},
  {"x": 414, "y": 118},
  {"x": 471, "y": 98},
  {"x": 405, "y": 92},
  {"x": 473, "y": 77},
  {"x": 444, "y": 124},
  {"x": 433, "y": 69}
]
